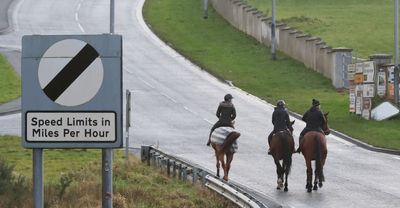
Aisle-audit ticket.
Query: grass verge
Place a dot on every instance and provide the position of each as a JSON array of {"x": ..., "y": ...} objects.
[
  {"x": 230, "y": 54},
  {"x": 73, "y": 179},
  {"x": 340, "y": 23},
  {"x": 10, "y": 82}
]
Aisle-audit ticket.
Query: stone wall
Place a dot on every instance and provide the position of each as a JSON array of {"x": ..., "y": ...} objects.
[{"x": 312, "y": 51}]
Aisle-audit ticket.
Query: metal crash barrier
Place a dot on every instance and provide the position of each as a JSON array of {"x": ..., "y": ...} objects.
[{"x": 176, "y": 167}]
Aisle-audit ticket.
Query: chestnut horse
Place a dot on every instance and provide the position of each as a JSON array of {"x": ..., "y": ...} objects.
[
  {"x": 313, "y": 147},
  {"x": 282, "y": 146},
  {"x": 223, "y": 150}
]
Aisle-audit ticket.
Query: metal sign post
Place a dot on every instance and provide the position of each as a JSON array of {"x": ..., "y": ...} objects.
[
  {"x": 107, "y": 154},
  {"x": 37, "y": 157}
]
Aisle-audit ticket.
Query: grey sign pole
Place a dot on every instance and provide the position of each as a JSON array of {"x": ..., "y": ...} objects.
[
  {"x": 396, "y": 52},
  {"x": 273, "y": 41},
  {"x": 205, "y": 9},
  {"x": 38, "y": 178},
  {"x": 107, "y": 153},
  {"x": 127, "y": 123}
]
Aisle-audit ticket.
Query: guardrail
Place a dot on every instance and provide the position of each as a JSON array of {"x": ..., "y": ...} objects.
[{"x": 176, "y": 167}]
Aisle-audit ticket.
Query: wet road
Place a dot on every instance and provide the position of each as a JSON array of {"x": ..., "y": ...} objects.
[{"x": 174, "y": 104}]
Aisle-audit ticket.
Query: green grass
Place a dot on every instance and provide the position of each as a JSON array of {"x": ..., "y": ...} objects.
[
  {"x": 366, "y": 26},
  {"x": 10, "y": 82},
  {"x": 231, "y": 55},
  {"x": 73, "y": 179}
]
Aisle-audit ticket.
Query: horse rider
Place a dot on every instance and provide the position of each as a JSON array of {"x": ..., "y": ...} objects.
[
  {"x": 314, "y": 120},
  {"x": 226, "y": 113},
  {"x": 280, "y": 120}
]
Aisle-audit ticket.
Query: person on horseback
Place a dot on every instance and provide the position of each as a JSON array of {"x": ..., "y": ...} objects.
[
  {"x": 280, "y": 120},
  {"x": 226, "y": 113},
  {"x": 314, "y": 120}
]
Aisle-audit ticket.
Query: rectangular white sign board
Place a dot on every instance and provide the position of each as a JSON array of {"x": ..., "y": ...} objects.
[{"x": 71, "y": 126}]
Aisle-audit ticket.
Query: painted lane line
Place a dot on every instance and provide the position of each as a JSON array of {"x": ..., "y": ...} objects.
[
  {"x": 77, "y": 17},
  {"x": 208, "y": 121},
  {"x": 186, "y": 108},
  {"x": 397, "y": 158},
  {"x": 146, "y": 83},
  {"x": 167, "y": 96}
]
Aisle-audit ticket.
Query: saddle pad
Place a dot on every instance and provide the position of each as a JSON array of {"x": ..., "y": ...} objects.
[{"x": 219, "y": 135}]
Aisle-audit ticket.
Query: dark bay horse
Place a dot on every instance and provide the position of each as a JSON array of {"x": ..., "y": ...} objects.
[
  {"x": 313, "y": 147},
  {"x": 224, "y": 150},
  {"x": 282, "y": 146}
]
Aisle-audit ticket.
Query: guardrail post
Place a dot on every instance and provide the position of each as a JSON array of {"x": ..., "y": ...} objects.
[
  {"x": 145, "y": 154},
  {"x": 184, "y": 171},
  {"x": 180, "y": 171},
  {"x": 194, "y": 175},
  {"x": 174, "y": 169},
  {"x": 168, "y": 167}
]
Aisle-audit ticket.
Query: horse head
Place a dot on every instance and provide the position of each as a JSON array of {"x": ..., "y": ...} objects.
[
  {"x": 325, "y": 126},
  {"x": 291, "y": 126}
]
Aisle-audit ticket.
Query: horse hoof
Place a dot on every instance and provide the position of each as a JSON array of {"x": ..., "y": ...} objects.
[
  {"x": 286, "y": 189},
  {"x": 278, "y": 188},
  {"x": 315, "y": 188},
  {"x": 320, "y": 184},
  {"x": 309, "y": 189}
]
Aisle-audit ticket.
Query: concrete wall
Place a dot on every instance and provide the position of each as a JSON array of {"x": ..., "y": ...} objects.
[{"x": 312, "y": 51}]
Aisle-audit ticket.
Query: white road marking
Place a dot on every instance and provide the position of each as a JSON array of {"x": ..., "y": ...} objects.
[
  {"x": 167, "y": 96},
  {"x": 396, "y": 157},
  {"x": 186, "y": 108},
  {"x": 208, "y": 121},
  {"x": 77, "y": 17},
  {"x": 146, "y": 83}
]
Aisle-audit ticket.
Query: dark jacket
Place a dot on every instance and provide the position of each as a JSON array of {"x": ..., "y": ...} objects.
[
  {"x": 314, "y": 119},
  {"x": 280, "y": 119},
  {"x": 226, "y": 112}
]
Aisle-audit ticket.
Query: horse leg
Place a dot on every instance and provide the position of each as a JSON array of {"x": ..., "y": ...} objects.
[
  {"x": 218, "y": 165},
  {"x": 279, "y": 173},
  {"x": 309, "y": 175},
  {"x": 286, "y": 178},
  {"x": 322, "y": 177},
  {"x": 229, "y": 158},
  {"x": 315, "y": 188},
  {"x": 221, "y": 159}
]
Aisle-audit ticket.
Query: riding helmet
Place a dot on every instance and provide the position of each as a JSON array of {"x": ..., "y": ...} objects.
[
  {"x": 228, "y": 97},
  {"x": 281, "y": 103},
  {"x": 315, "y": 102}
]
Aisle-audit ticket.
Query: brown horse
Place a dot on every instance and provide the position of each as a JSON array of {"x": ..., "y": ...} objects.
[
  {"x": 313, "y": 147},
  {"x": 282, "y": 146},
  {"x": 225, "y": 149}
]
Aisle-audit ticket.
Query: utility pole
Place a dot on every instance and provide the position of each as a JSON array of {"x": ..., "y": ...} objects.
[
  {"x": 396, "y": 52},
  {"x": 273, "y": 41}
]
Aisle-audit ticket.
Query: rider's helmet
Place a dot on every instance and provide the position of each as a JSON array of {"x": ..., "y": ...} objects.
[
  {"x": 228, "y": 97},
  {"x": 315, "y": 102},
  {"x": 280, "y": 103}
]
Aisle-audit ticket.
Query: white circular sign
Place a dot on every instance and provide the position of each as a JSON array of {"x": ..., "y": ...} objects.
[{"x": 70, "y": 72}]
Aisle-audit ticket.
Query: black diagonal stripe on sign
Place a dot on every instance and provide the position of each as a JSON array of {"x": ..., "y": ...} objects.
[{"x": 70, "y": 72}]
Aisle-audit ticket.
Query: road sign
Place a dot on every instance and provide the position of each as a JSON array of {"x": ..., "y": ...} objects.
[{"x": 72, "y": 91}]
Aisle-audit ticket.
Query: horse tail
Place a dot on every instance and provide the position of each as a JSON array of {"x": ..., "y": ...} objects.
[
  {"x": 318, "y": 164},
  {"x": 287, "y": 157},
  {"x": 229, "y": 140}
]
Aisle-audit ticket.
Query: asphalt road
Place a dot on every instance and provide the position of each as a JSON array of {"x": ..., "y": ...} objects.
[{"x": 174, "y": 104}]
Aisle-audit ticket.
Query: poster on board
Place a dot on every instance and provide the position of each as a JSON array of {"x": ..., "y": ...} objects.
[{"x": 381, "y": 83}]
